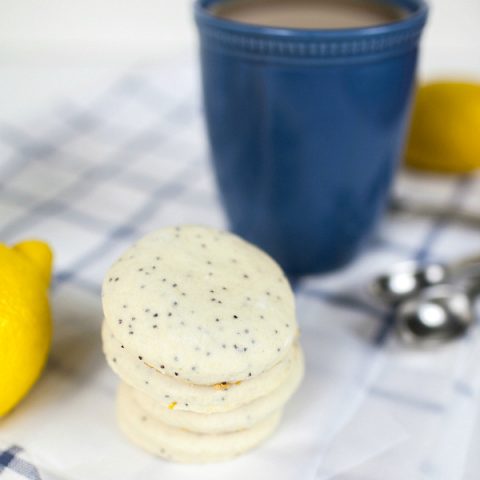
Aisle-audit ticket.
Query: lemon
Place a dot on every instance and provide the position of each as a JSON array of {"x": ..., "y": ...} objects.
[
  {"x": 445, "y": 130},
  {"x": 25, "y": 320}
]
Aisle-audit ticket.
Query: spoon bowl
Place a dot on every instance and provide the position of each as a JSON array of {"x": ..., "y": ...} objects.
[
  {"x": 436, "y": 315},
  {"x": 406, "y": 280}
]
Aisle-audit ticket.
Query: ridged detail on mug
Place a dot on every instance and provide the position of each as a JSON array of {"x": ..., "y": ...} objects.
[{"x": 314, "y": 48}]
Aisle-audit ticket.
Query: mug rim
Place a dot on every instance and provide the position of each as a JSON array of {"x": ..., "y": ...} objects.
[{"x": 415, "y": 19}]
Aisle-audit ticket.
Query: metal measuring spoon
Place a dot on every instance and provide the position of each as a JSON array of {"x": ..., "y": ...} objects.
[
  {"x": 401, "y": 204},
  {"x": 407, "y": 279},
  {"x": 437, "y": 314}
]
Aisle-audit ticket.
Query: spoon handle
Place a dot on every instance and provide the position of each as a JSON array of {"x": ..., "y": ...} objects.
[
  {"x": 466, "y": 267},
  {"x": 472, "y": 287},
  {"x": 398, "y": 205}
]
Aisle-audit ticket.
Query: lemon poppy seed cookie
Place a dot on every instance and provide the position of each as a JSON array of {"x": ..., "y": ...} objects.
[
  {"x": 200, "y": 305},
  {"x": 181, "y": 395},
  {"x": 184, "y": 446},
  {"x": 243, "y": 417},
  {"x": 200, "y": 326}
]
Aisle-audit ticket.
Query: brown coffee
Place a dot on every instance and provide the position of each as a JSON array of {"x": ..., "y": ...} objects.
[{"x": 310, "y": 14}]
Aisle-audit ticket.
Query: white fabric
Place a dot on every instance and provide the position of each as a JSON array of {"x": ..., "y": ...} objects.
[{"x": 90, "y": 179}]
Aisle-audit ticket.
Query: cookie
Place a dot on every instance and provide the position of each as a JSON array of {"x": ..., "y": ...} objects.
[
  {"x": 245, "y": 416},
  {"x": 181, "y": 445},
  {"x": 180, "y": 395},
  {"x": 201, "y": 305}
]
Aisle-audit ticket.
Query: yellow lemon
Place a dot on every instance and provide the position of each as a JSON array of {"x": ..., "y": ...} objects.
[
  {"x": 445, "y": 130},
  {"x": 25, "y": 319}
]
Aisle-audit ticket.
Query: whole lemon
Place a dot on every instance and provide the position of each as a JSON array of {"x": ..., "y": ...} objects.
[
  {"x": 445, "y": 130},
  {"x": 25, "y": 319}
]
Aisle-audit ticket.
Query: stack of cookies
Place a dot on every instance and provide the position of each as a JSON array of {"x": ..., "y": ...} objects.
[{"x": 200, "y": 326}]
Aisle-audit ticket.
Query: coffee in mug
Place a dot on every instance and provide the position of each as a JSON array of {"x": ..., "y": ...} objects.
[{"x": 310, "y": 14}]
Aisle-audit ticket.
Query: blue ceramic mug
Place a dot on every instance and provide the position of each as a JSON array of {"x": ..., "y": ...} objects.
[{"x": 306, "y": 129}]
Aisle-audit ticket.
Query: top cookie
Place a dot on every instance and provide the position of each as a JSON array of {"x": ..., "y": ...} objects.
[{"x": 201, "y": 305}]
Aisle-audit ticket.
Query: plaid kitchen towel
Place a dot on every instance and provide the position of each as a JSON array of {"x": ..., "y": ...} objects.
[
  {"x": 91, "y": 178},
  {"x": 14, "y": 465}
]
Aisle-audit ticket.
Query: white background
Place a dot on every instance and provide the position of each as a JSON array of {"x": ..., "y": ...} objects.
[{"x": 51, "y": 49}]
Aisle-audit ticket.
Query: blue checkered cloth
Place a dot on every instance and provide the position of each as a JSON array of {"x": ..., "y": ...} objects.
[
  {"x": 14, "y": 465},
  {"x": 91, "y": 178}
]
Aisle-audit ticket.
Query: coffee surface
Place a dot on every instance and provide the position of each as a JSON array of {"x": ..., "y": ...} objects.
[{"x": 310, "y": 14}]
